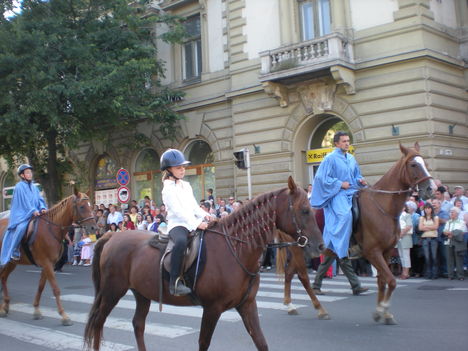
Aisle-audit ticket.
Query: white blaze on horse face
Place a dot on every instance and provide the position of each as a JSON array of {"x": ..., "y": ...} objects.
[{"x": 421, "y": 162}]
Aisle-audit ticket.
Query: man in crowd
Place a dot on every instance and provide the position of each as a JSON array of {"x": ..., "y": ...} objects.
[{"x": 114, "y": 216}]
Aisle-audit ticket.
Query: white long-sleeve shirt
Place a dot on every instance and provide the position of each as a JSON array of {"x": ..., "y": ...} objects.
[{"x": 182, "y": 208}]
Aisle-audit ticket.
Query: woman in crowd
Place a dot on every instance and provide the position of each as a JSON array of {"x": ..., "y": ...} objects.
[
  {"x": 406, "y": 242},
  {"x": 128, "y": 223},
  {"x": 428, "y": 224},
  {"x": 141, "y": 223}
]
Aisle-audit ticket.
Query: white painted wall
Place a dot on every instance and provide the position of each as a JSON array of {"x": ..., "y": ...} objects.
[
  {"x": 444, "y": 12},
  {"x": 263, "y": 26},
  {"x": 165, "y": 53},
  {"x": 214, "y": 17},
  {"x": 371, "y": 13}
]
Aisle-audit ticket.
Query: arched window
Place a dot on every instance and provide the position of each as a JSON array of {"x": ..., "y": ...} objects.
[
  {"x": 201, "y": 173},
  {"x": 147, "y": 177}
]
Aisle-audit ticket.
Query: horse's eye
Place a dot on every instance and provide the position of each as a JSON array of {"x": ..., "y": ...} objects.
[
  {"x": 413, "y": 165},
  {"x": 81, "y": 207}
]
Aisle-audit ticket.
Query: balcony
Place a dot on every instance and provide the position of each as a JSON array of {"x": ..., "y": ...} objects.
[{"x": 307, "y": 59}]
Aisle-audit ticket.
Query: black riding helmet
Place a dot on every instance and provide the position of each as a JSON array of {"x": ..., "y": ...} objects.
[
  {"x": 173, "y": 158},
  {"x": 24, "y": 167}
]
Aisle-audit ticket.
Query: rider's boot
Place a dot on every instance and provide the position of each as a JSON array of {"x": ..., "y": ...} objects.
[
  {"x": 354, "y": 252},
  {"x": 176, "y": 286}
]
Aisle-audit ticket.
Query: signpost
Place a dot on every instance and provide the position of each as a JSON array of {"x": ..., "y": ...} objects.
[
  {"x": 123, "y": 194},
  {"x": 123, "y": 177}
]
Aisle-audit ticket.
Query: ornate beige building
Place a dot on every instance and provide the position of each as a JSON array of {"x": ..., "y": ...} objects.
[{"x": 276, "y": 76}]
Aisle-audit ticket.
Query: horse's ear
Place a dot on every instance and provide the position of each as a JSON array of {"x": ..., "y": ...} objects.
[
  {"x": 403, "y": 149},
  {"x": 291, "y": 184},
  {"x": 416, "y": 146}
]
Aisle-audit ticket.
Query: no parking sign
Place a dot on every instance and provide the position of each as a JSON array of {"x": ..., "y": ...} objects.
[
  {"x": 123, "y": 194},
  {"x": 123, "y": 177}
]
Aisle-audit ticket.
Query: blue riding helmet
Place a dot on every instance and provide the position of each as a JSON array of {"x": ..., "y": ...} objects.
[
  {"x": 173, "y": 158},
  {"x": 24, "y": 167}
]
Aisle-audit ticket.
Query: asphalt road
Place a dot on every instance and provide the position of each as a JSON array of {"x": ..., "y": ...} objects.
[{"x": 432, "y": 315}]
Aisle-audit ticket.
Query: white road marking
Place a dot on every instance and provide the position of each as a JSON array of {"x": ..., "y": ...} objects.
[
  {"x": 192, "y": 311},
  {"x": 49, "y": 338},
  {"x": 303, "y": 297},
  {"x": 159, "y": 329}
]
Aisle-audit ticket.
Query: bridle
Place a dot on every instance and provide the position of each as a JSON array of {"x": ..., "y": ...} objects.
[{"x": 301, "y": 241}]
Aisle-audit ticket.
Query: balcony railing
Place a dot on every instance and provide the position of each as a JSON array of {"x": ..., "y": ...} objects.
[{"x": 305, "y": 57}]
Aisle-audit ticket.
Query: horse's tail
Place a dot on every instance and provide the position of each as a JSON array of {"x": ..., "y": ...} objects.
[{"x": 94, "y": 326}]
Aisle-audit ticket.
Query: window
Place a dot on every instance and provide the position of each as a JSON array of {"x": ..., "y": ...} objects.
[
  {"x": 201, "y": 173},
  {"x": 192, "y": 57},
  {"x": 315, "y": 18},
  {"x": 147, "y": 177}
]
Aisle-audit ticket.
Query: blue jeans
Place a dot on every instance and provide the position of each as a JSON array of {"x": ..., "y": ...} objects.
[{"x": 430, "y": 256}]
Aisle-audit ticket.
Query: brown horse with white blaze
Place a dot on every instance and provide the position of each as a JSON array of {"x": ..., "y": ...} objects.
[
  {"x": 378, "y": 227},
  {"x": 46, "y": 249},
  {"x": 229, "y": 279}
]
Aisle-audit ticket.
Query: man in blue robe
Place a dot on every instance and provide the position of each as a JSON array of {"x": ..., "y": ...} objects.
[
  {"x": 335, "y": 183},
  {"x": 27, "y": 202}
]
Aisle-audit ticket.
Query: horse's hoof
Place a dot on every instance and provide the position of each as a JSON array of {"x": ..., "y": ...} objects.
[
  {"x": 67, "y": 322},
  {"x": 390, "y": 321},
  {"x": 377, "y": 316},
  {"x": 324, "y": 317},
  {"x": 293, "y": 312},
  {"x": 38, "y": 316}
]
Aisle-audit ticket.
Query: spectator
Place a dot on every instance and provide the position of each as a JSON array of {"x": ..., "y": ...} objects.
[
  {"x": 444, "y": 204},
  {"x": 223, "y": 207},
  {"x": 114, "y": 228},
  {"x": 104, "y": 209},
  {"x": 405, "y": 243},
  {"x": 230, "y": 203},
  {"x": 141, "y": 223},
  {"x": 459, "y": 194},
  {"x": 121, "y": 227},
  {"x": 428, "y": 224},
  {"x": 206, "y": 206},
  {"x": 128, "y": 223},
  {"x": 162, "y": 208},
  {"x": 86, "y": 250},
  {"x": 114, "y": 216},
  {"x": 154, "y": 225},
  {"x": 101, "y": 223},
  {"x": 133, "y": 213},
  {"x": 236, "y": 205},
  {"x": 441, "y": 251},
  {"x": 149, "y": 221},
  {"x": 459, "y": 203},
  {"x": 454, "y": 232},
  {"x": 134, "y": 203},
  {"x": 209, "y": 194}
]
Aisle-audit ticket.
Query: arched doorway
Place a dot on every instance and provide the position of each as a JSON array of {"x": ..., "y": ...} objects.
[
  {"x": 147, "y": 177},
  {"x": 321, "y": 142},
  {"x": 105, "y": 184},
  {"x": 201, "y": 173}
]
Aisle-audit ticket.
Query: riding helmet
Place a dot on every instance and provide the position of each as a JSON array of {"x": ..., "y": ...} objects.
[
  {"x": 24, "y": 167},
  {"x": 173, "y": 158}
]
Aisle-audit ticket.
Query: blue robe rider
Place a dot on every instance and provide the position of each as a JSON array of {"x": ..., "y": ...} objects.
[
  {"x": 335, "y": 183},
  {"x": 27, "y": 202}
]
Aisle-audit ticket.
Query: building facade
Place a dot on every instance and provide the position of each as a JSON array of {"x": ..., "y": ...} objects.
[{"x": 278, "y": 77}]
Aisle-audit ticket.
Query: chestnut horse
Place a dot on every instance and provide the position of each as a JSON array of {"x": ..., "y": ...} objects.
[
  {"x": 47, "y": 247},
  {"x": 378, "y": 227},
  {"x": 291, "y": 261},
  {"x": 230, "y": 278}
]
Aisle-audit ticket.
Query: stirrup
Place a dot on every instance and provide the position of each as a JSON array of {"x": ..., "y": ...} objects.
[
  {"x": 179, "y": 288},
  {"x": 354, "y": 252}
]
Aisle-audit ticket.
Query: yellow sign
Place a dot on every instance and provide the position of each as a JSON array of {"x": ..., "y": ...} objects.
[{"x": 317, "y": 155}]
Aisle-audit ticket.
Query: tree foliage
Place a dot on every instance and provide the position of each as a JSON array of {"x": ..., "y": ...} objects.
[{"x": 73, "y": 70}]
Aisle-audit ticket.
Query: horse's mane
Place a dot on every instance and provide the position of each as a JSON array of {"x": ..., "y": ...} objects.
[
  {"x": 252, "y": 221},
  {"x": 57, "y": 212}
]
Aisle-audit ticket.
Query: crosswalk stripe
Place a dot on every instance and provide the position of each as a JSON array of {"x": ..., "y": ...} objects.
[
  {"x": 192, "y": 311},
  {"x": 159, "y": 329},
  {"x": 300, "y": 296},
  {"x": 49, "y": 338}
]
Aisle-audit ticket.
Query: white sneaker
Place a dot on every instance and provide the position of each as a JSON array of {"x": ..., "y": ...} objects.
[
  {"x": 74, "y": 263},
  {"x": 87, "y": 264},
  {"x": 81, "y": 263}
]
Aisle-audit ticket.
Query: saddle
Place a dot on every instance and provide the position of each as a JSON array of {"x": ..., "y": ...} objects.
[{"x": 164, "y": 244}]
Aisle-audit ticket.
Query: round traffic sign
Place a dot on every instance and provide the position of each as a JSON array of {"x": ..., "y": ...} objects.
[
  {"x": 123, "y": 177},
  {"x": 123, "y": 194}
]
